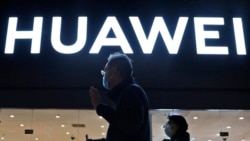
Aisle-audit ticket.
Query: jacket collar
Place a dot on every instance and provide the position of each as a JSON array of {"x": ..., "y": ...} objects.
[{"x": 182, "y": 135}]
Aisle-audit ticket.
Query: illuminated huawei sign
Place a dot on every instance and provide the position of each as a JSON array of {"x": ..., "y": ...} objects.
[{"x": 147, "y": 43}]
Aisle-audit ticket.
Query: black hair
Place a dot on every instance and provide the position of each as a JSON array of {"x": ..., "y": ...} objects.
[{"x": 180, "y": 121}]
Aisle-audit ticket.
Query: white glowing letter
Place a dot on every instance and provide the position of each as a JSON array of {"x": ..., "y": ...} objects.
[
  {"x": 56, "y": 34},
  {"x": 119, "y": 40},
  {"x": 34, "y": 35},
  {"x": 159, "y": 26},
  {"x": 201, "y": 35},
  {"x": 239, "y": 36}
]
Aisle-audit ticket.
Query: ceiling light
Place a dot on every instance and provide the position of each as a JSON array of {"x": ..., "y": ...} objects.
[
  {"x": 102, "y": 126},
  {"x": 67, "y": 133},
  {"x": 12, "y": 116},
  {"x": 228, "y": 127},
  {"x": 2, "y": 138},
  {"x": 100, "y": 117},
  {"x": 21, "y": 125},
  {"x": 36, "y": 139},
  {"x": 57, "y": 116},
  {"x": 218, "y": 134},
  {"x": 62, "y": 125},
  {"x": 195, "y": 117},
  {"x": 241, "y": 118},
  {"x": 103, "y": 133}
]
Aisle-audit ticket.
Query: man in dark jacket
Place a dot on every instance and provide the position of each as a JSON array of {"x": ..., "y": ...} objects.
[
  {"x": 176, "y": 128},
  {"x": 128, "y": 116}
]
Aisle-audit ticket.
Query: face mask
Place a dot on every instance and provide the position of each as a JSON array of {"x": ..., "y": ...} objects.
[
  {"x": 168, "y": 131},
  {"x": 105, "y": 83}
]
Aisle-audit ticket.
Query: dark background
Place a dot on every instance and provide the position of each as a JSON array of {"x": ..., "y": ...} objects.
[{"x": 185, "y": 80}]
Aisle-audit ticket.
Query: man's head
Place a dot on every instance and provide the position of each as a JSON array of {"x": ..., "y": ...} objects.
[
  {"x": 118, "y": 68},
  {"x": 175, "y": 124}
]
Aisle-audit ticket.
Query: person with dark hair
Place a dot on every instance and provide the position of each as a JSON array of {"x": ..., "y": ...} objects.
[
  {"x": 176, "y": 128},
  {"x": 128, "y": 115}
]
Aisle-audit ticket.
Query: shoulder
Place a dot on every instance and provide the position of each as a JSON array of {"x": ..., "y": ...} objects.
[
  {"x": 183, "y": 137},
  {"x": 135, "y": 88}
]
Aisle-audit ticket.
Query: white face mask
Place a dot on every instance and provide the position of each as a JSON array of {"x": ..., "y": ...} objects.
[
  {"x": 168, "y": 131},
  {"x": 105, "y": 83}
]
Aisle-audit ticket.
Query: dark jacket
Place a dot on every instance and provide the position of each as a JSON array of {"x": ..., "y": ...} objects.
[
  {"x": 184, "y": 136},
  {"x": 128, "y": 116}
]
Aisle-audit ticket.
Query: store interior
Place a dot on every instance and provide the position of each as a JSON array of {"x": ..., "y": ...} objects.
[{"x": 75, "y": 124}]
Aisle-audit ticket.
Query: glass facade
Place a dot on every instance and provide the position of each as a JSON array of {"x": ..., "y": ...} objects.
[{"x": 74, "y": 124}]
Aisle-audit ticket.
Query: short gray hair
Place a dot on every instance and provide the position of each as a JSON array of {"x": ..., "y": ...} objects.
[{"x": 122, "y": 63}]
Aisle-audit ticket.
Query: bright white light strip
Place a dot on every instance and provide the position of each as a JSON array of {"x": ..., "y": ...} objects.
[
  {"x": 56, "y": 34},
  {"x": 201, "y": 35},
  {"x": 239, "y": 36},
  {"x": 111, "y": 23},
  {"x": 13, "y": 34},
  {"x": 159, "y": 27}
]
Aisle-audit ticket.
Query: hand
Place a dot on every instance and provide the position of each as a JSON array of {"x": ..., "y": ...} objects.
[{"x": 95, "y": 96}]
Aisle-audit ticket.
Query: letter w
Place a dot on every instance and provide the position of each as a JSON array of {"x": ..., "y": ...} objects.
[{"x": 159, "y": 26}]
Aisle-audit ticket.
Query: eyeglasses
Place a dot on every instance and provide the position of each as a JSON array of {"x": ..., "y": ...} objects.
[
  {"x": 163, "y": 126},
  {"x": 103, "y": 72}
]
